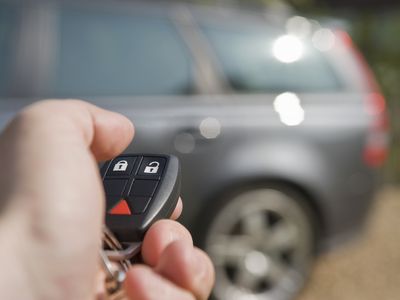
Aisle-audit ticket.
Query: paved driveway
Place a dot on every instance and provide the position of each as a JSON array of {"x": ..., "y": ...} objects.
[{"x": 369, "y": 268}]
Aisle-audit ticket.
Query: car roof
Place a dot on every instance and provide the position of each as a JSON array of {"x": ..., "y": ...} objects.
[{"x": 209, "y": 12}]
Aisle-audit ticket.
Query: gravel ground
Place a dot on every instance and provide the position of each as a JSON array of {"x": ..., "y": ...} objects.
[{"x": 369, "y": 268}]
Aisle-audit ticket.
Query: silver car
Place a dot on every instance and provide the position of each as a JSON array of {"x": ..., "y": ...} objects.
[{"x": 277, "y": 121}]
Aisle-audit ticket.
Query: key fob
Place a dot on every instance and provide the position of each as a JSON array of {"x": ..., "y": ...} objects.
[{"x": 140, "y": 189}]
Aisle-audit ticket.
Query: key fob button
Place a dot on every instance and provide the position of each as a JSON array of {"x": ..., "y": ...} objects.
[
  {"x": 152, "y": 166},
  {"x": 120, "y": 208},
  {"x": 143, "y": 188},
  {"x": 114, "y": 187},
  {"x": 138, "y": 203},
  {"x": 121, "y": 166}
]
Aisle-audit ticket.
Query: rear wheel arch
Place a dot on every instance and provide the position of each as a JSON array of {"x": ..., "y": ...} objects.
[{"x": 306, "y": 199}]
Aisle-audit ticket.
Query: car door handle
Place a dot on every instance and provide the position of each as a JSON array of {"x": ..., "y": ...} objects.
[{"x": 208, "y": 130}]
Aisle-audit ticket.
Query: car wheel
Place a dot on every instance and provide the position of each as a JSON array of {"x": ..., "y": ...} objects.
[{"x": 261, "y": 242}]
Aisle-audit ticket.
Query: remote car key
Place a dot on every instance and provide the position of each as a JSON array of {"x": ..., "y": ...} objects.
[{"x": 140, "y": 189}]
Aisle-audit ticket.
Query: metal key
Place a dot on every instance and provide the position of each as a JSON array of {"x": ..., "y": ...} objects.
[
  {"x": 140, "y": 189},
  {"x": 114, "y": 270}
]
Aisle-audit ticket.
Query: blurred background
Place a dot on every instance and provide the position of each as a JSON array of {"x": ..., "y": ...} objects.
[{"x": 283, "y": 114}]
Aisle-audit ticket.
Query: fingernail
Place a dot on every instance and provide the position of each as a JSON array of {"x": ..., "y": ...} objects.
[{"x": 172, "y": 237}]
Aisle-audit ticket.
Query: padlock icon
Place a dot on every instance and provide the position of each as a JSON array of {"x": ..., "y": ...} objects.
[
  {"x": 152, "y": 168},
  {"x": 121, "y": 166}
]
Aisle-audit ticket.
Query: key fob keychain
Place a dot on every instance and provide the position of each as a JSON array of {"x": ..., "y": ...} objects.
[{"x": 140, "y": 189}]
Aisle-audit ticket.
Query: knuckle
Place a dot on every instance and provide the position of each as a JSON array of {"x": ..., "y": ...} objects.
[{"x": 47, "y": 116}]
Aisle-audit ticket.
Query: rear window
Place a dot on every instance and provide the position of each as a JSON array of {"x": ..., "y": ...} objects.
[
  {"x": 115, "y": 53},
  {"x": 247, "y": 56}
]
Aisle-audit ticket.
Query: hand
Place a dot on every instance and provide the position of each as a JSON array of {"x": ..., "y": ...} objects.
[{"x": 52, "y": 206}]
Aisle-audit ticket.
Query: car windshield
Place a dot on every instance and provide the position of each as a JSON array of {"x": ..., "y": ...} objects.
[
  {"x": 261, "y": 59},
  {"x": 105, "y": 53}
]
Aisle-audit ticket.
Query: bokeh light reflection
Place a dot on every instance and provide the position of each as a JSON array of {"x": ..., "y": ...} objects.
[
  {"x": 323, "y": 39},
  {"x": 289, "y": 108},
  {"x": 288, "y": 49}
]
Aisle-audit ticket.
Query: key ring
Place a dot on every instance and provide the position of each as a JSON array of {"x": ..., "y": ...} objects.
[{"x": 123, "y": 254}]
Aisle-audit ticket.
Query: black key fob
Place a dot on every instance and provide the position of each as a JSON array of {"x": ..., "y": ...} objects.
[{"x": 140, "y": 189}]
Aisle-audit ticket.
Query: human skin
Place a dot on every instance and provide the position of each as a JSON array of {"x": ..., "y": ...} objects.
[{"x": 52, "y": 207}]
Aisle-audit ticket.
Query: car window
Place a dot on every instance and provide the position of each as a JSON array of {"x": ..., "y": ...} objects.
[
  {"x": 8, "y": 19},
  {"x": 247, "y": 56},
  {"x": 115, "y": 53}
]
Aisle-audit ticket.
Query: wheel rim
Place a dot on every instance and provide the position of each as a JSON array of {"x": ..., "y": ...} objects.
[{"x": 261, "y": 245}]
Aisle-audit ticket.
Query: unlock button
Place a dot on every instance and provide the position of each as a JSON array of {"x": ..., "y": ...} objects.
[{"x": 152, "y": 166}]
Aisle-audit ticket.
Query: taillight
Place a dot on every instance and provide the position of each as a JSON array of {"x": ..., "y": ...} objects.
[{"x": 376, "y": 146}]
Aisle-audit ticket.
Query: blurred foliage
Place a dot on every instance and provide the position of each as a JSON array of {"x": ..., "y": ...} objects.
[
  {"x": 376, "y": 34},
  {"x": 375, "y": 30}
]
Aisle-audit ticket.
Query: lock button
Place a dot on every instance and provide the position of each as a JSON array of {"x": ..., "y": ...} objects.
[
  {"x": 122, "y": 166},
  {"x": 152, "y": 166}
]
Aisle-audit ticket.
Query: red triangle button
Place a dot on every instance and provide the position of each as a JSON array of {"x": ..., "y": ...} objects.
[{"x": 121, "y": 208}]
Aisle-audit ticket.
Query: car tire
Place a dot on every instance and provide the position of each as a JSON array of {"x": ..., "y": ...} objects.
[{"x": 261, "y": 240}]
